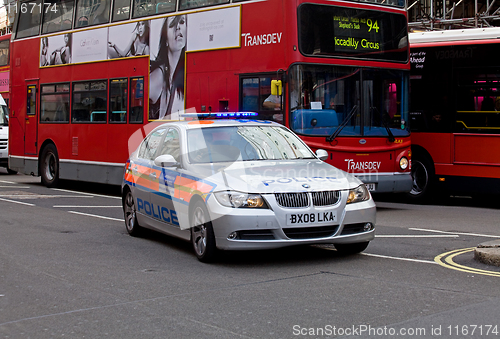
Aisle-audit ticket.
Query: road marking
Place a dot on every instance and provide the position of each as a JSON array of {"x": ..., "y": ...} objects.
[
  {"x": 8, "y": 182},
  {"x": 17, "y": 202},
  {"x": 76, "y": 206},
  {"x": 39, "y": 196},
  {"x": 416, "y": 236},
  {"x": 96, "y": 216},
  {"x": 449, "y": 263},
  {"x": 397, "y": 258},
  {"x": 10, "y": 186},
  {"x": 85, "y": 193},
  {"x": 460, "y": 233}
]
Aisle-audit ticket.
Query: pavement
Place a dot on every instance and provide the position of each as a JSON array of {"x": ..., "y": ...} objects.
[{"x": 488, "y": 253}]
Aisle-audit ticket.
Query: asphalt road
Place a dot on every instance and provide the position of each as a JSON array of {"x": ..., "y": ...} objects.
[{"x": 68, "y": 269}]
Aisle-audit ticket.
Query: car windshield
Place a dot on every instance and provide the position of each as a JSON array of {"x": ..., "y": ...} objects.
[
  {"x": 244, "y": 143},
  {"x": 4, "y": 113}
]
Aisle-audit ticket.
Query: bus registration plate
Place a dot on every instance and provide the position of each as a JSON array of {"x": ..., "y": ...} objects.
[
  {"x": 370, "y": 187},
  {"x": 316, "y": 218}
]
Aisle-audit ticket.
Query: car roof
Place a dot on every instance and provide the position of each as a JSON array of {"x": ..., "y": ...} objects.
[{"x": 195, "y": 124}]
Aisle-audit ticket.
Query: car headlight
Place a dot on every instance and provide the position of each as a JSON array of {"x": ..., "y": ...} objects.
[
  {"x": 403, "y": 163},
  {"x": 240, "y": 199},
  {"x": 358, "y": 194}
]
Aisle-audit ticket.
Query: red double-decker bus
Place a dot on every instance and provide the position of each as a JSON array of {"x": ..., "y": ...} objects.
[
  {"x": 335, "y": 72},
  {"x": 455, "y": 112}
]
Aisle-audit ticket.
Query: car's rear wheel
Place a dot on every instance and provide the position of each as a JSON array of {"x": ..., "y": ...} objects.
[
  {"x": 351, "y": 248},
  {"x": 49, "y": 166},
  {"x": 129, "y": 212},
  {"x": 202, "y": 233}
]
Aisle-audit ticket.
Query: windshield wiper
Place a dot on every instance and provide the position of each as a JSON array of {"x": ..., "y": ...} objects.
[
  {"x": 332, "y": 137},
  {"x": 387, "y": 128}
]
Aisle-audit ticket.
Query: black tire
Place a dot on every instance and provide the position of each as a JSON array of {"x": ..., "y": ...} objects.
[
  {"x": 11, "y": 171},
  {"x": 422, "y": 173},
  {"x": 49, "y": 166},
  {"x": 129, "y": 213},
  {"x": 351, "y": 248},
  {"x": 202, "y": 233}
]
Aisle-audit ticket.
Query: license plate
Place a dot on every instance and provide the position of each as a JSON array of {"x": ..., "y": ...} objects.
[
  {"x": 296, "y": 219},
  {"x": 370, "y": 187}
]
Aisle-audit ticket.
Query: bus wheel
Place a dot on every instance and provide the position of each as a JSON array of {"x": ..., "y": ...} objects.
[
  {"x": 133, "y": 227},
  {"x": 49, "y": 166},
  {"x": 202, "y": 233},
  {"x": 422, "y": 173},
  {"x": 351, "y": 248}
]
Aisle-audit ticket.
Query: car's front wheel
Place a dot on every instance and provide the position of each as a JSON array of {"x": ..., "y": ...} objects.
[
  {"x": 202, "y": 233},
  {"x": 129, "y": 212},
  {"x": 351, "y": 248}
]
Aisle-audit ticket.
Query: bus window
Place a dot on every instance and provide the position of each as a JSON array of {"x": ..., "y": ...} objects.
[
  {"x": 121, "y": 10},
  {"x": 188, "y": 4},
  {"x": 4, "y": 52},
  {"x": 118, "y": 100},
  {"x": 54, "y": 103},
  {"x": 89, "y": 101},
  {"x": 151, "y": 7},
  {"x": 92, "y": 12},
  {"x": 136, "y": 100},
  {"x": 29, "y": 19},
  {"x": 58, "y": 16},
  {"x": 256, "y": 97}
]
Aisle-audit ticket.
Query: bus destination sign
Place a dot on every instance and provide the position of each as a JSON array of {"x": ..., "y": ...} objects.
[{"x": 356, "y": 34}]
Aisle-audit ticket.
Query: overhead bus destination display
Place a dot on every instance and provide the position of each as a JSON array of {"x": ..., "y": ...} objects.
[{"x": 352, "y": 32}]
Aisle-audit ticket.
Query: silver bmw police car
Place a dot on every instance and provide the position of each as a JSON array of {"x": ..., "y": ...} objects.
[{"x": 240, "y": 185}]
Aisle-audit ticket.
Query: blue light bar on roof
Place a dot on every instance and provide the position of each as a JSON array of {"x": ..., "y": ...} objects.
[{"x": 220, "y": 115}]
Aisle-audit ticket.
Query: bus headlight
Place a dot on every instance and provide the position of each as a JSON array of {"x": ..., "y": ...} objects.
[
  {"x": 403, "y": 163},
  {"x": 240, "y": 199},
  {"x": 358, "y": 194}
]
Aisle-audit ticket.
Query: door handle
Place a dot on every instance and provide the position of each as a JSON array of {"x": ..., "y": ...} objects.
[{"x": 153, "y": 175}]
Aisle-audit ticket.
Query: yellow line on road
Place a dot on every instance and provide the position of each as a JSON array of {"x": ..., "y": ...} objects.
[{"x": 449, "y": 263}]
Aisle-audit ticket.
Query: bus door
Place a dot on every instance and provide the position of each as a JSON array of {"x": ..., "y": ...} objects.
[
  {"x": 256, "y": 96},
  {"x": 31, "y": 120}
]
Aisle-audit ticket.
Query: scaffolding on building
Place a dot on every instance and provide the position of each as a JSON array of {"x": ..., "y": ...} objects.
[{"x": 429, "y": 15}]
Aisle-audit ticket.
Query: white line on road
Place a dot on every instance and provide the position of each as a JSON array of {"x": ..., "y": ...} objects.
[
  {"x": 76, "y": 206},
  {"x": 96, "y": 216},
  {"x": 416, "y": 236},
  {"x": 460, "y": 233},
  {"x": 14, "y": 186},
  {"x": 397, "y": 258},
  {"x": 85, "y": 193},
  {"x": 8, "y": 182},
  {"x": 17, "y": 202}
]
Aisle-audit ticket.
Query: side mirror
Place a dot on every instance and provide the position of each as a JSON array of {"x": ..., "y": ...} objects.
[
  {"x": 322, "y": 154},
  {"x": 165, "y": 160}
]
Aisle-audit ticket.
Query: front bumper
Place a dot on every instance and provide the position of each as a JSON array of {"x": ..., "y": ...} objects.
[{"x": 267, "y": 229}]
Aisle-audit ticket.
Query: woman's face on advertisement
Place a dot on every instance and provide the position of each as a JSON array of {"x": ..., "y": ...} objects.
[
  {"x": 141, "y": 28},
  {"x": 176, "y": 32}
]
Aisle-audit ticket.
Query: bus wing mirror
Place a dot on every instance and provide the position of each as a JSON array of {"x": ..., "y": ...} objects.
[
  {"x": 322, "y": 154},
  {"x": 276, "y": 87}
]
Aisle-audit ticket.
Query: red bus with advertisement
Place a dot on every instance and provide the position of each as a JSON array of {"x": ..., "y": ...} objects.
[
  {"x": 455, "y": 112},
  {"x": 335, "y": 72}
]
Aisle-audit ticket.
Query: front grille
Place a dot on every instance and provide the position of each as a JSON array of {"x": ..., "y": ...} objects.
[
  {"x": 325, "y": 198},
  {"x": 292, "y": 199},
  {"x": 310, "y": 232},
  {"x": 3, "y": 143}
]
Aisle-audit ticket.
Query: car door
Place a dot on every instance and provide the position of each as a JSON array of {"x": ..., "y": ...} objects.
[
  {"x": 162, "y": 196},
  {"x": 145, "y": 178}
]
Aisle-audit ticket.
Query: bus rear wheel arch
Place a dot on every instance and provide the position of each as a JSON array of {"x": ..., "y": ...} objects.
[{"x": 49, "y": 166}]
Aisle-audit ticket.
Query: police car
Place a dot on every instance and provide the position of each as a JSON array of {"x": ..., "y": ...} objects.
[{"x": 242, "y": 185}]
